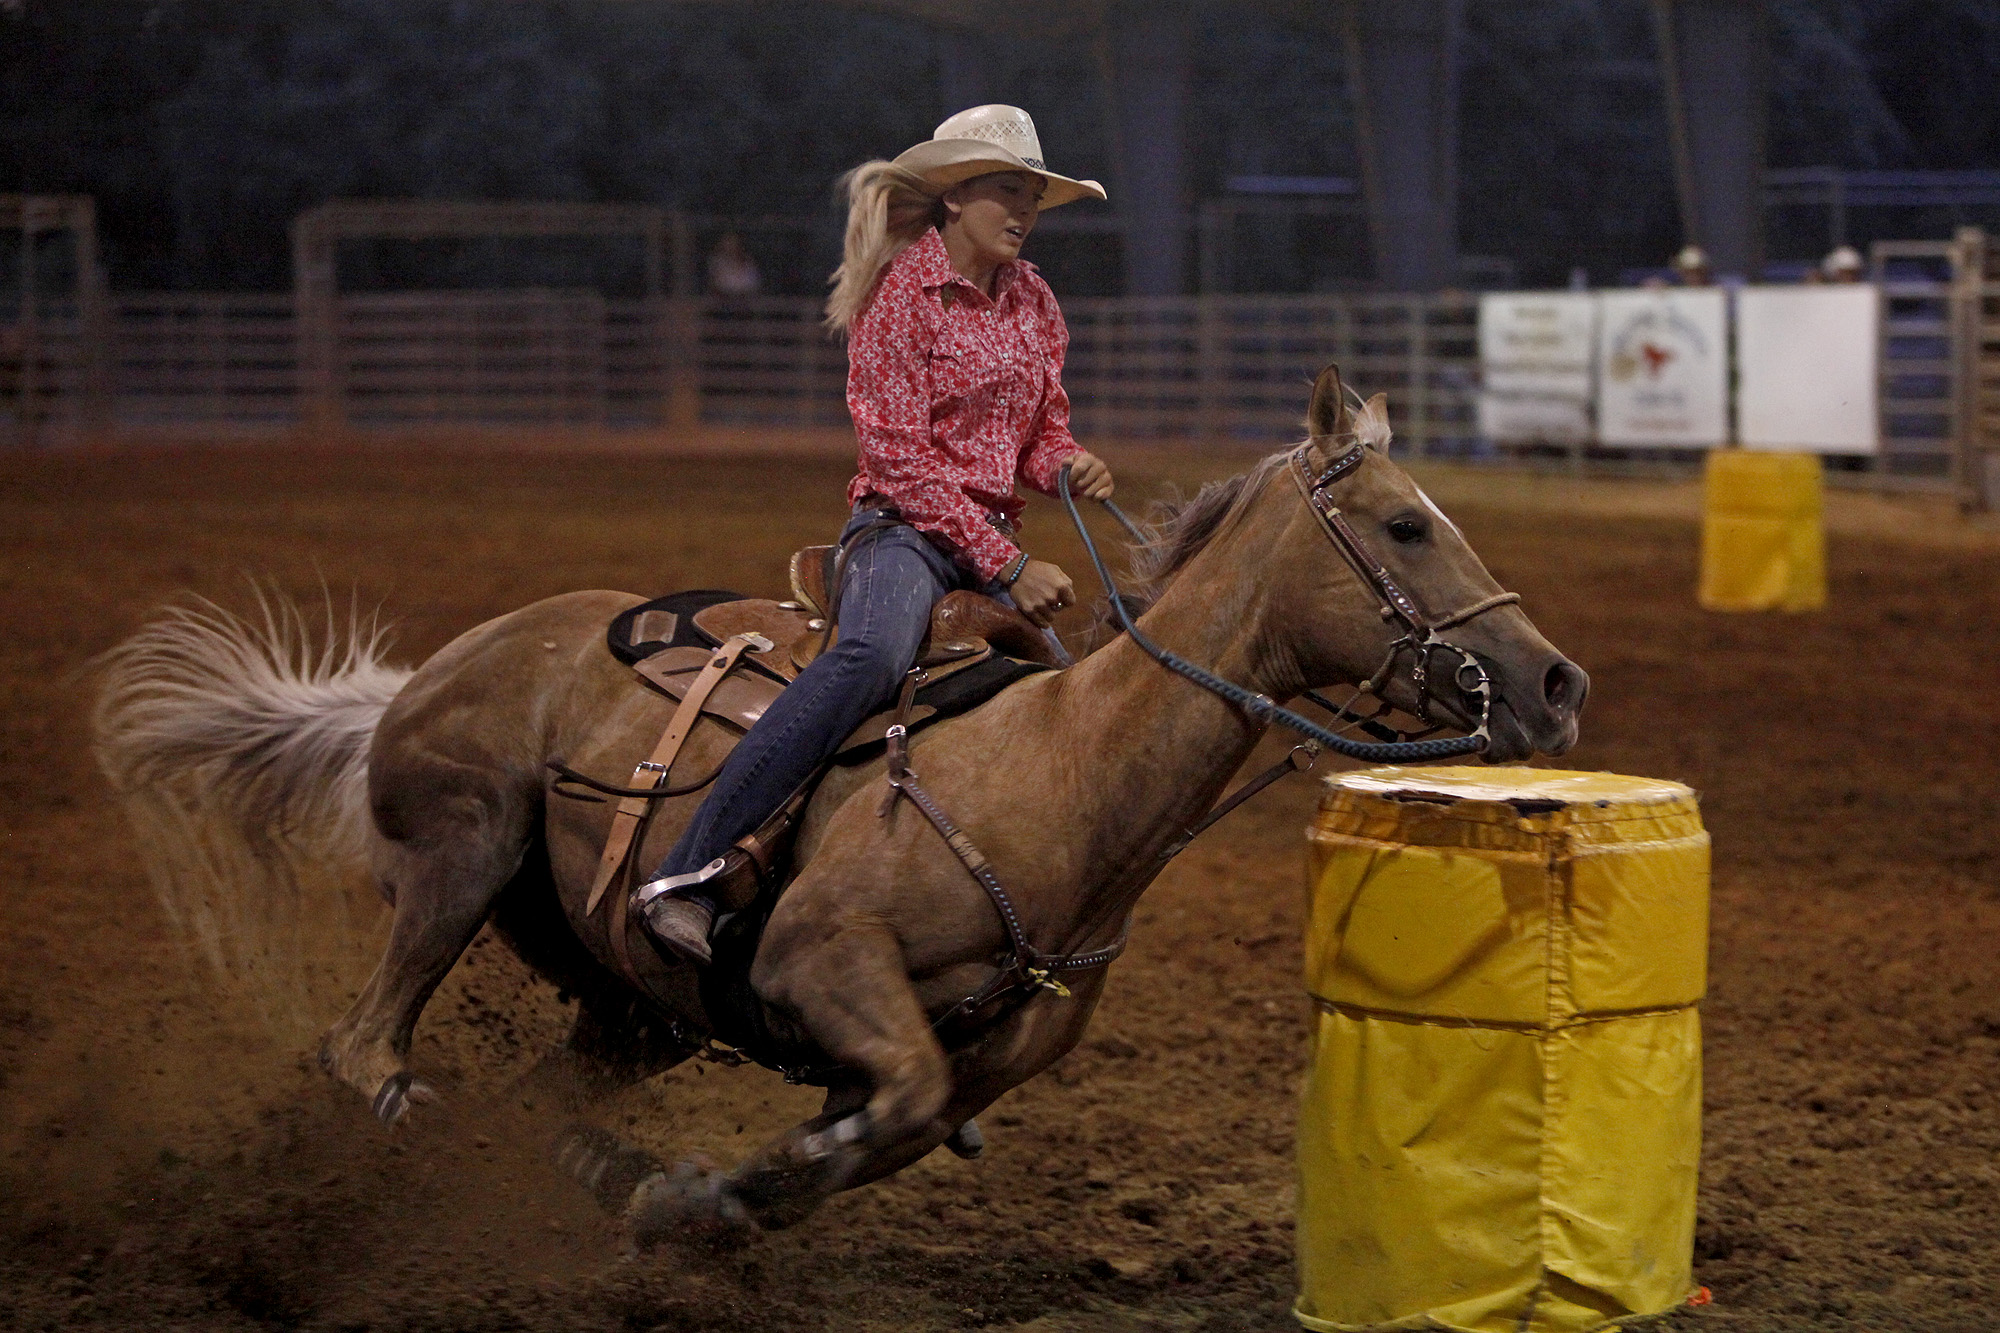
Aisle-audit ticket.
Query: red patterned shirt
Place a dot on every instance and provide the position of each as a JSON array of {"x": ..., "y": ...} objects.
[{"x": 955, "y": 395}]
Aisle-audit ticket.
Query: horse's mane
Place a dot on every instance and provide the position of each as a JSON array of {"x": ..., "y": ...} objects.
[{"x": 1178, "y": 528}]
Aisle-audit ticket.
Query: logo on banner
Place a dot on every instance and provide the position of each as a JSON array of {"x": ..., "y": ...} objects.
[
  {"x": 1662, "y": 363},
  {"x": 1651, "y": 341}
]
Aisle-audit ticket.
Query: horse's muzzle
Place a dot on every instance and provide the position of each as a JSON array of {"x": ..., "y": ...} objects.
[{"x": 1536, "y": 708}]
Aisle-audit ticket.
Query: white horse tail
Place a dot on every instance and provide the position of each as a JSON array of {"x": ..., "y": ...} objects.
[{"x": 239, "y": 751}]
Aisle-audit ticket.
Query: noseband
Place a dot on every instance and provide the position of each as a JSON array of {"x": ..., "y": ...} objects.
[{"x": 1419, "y": 638}]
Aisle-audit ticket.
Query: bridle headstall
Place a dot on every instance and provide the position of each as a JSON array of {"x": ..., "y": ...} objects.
[{"x": 1420, "y": 637}]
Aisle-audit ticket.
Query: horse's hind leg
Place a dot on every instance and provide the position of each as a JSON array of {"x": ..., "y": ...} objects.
[{"x": 442, "y": 863}]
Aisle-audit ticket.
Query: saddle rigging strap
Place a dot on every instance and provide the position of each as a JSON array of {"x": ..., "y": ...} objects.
[{"x": 629, "y": 820}]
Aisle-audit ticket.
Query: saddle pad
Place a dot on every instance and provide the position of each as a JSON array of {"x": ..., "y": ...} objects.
[
  {"x": 960, "y": 691},
  {"x": 664, "y": 622}
]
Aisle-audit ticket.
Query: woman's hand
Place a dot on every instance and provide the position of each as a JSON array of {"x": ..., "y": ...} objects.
[
  {"x": 1089, "y": 478},
  {"x": 1043, "y": 589}
]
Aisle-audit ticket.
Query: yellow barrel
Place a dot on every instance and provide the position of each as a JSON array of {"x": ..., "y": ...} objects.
[
  {"x": 1763, "y": 539},
  {"x": 1502, "y": 1119}
]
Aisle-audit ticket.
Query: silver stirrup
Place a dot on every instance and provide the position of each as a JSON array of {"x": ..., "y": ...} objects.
[{"x": 669, "y": 885}]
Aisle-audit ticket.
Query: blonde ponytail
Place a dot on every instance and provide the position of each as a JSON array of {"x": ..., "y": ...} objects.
[{"x": 888, "y": 207}]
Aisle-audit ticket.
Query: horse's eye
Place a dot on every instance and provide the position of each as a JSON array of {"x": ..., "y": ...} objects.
[{"x": 1406, "y": 529}]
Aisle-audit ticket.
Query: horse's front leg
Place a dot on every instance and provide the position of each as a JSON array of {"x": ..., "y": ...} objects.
[
  {"x": 851, "y": 991},
  {"x": 850, "y": 1143},
  {"x": 779, "y": 1185},
  {"x": 850, "y": 988}
]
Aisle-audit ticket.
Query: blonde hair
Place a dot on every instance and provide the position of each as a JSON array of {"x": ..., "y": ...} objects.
[{"x": 888, "y": 207}]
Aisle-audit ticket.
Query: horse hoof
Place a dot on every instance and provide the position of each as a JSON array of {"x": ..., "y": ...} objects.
[
  {"x": 399, "y": 1092},
  {"x": 691, "y": 1205},
  {"x": 609, "y": 1169},
  {"x": 966, "y": 1141}
]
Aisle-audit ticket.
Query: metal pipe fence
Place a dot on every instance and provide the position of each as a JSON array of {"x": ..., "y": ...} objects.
[{"x": 1218, "y": 368}]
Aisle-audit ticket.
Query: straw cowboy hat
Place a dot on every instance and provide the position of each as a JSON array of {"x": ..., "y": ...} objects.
[{"x": 987, "y": 139}]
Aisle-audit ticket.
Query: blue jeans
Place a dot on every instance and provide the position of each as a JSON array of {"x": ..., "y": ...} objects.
[{"x": 894, "y": 577}]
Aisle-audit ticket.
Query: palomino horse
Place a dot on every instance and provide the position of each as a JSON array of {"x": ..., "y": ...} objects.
[{"x": 1072, "y": 782}]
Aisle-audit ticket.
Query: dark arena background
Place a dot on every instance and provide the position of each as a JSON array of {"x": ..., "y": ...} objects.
[{"x": 421, "y": 307}]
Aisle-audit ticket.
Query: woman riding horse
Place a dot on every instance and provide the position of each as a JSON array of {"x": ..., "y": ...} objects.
[{"x": 955, "y": 353}]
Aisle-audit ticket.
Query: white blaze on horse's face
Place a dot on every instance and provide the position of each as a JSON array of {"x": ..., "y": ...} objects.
[
  {"x": 1371, "y": 424},
  {"x": 1431, "y": 505}
]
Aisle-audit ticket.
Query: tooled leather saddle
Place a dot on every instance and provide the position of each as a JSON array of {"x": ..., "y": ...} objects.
[
  {"x": 668, "y": 639},
  {"x": 728, "y": 657}
]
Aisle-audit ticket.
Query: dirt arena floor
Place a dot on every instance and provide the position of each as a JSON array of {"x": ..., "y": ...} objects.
[{"x": 168, "y": 1159}]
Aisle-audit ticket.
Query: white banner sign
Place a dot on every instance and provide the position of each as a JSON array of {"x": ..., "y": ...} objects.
[
  {"x": 1519, "y": 418},
  {"x": 1537, "y": 342},
  {"x": 1808, "y": 368},
  {"x": 1663, "y": 367},
  {"x": 1535, "y": 351}
]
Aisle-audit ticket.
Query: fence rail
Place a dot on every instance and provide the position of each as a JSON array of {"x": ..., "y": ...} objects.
[
  {"x": 203, "y": 357},
  {"x": 1221, "y": 367},
  {"x": 1919, "y": 366},
  {"x": 527, "y": 357},
  {"x": 766, "y": 361},
  {"x": 1977, "y": 329},
  {"x": 1239, "y": 366}
]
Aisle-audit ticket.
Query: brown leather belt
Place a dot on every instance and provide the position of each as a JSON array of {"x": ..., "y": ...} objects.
[{"x": 1007, "y": 527}]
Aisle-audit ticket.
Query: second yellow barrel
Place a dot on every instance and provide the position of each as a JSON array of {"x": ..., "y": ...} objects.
[{"x": 1763, "y": 538}]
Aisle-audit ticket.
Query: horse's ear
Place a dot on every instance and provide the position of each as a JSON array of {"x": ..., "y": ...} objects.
[
  {"x": 1328, "y": 414},
  {"x": 1371, "y": 423}
]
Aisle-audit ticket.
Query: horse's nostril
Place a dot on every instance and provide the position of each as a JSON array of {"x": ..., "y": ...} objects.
[{"x": 1563, "y": 686}]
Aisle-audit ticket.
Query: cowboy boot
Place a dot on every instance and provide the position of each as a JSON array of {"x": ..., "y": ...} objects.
[
  {"x": 680, "y": 926},
  {"x": 679, "y": 910}
]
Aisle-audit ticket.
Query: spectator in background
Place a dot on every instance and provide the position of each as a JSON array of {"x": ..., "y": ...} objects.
[
  {"x": 1842, "y": 264},
  {"x": 731, "y": 270},
  {"x": 1691, "y": 267}
]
